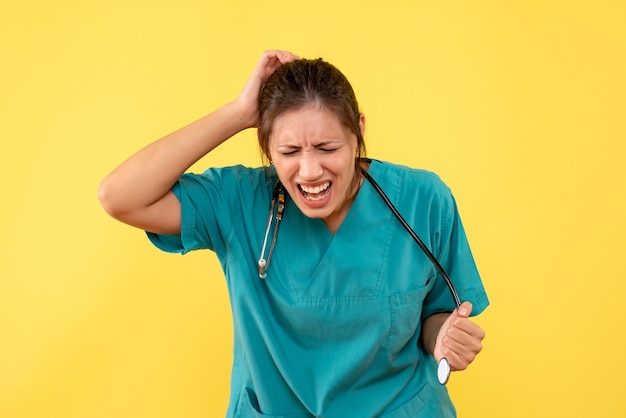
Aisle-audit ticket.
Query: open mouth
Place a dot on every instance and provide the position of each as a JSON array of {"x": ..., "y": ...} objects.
[{"x": 316, "y": 193}]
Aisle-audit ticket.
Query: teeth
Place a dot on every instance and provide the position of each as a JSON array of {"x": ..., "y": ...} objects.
[
  {"x": 316, "y": 189},
  {"x": 314, "y": 198}
]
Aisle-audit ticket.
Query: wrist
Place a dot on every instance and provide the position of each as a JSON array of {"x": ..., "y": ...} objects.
[{"x": 245, "y": 115}]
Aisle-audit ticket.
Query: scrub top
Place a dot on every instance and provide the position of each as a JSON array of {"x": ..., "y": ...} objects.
[{"x": 333, "y": 330}]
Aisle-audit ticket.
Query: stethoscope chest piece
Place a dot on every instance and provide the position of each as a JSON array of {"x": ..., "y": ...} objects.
[
  {"x": 443, "y": 371},
  {"x": 278, "y": 196}
]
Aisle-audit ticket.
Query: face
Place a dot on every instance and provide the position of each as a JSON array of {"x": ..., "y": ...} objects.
[{"x": 314, "y": 155}]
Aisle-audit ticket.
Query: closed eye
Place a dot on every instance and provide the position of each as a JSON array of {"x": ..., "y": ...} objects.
[{"x": 330, "y": 146}]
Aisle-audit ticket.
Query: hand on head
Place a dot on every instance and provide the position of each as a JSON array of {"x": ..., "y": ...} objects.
[{"x": 247, "y": 101}]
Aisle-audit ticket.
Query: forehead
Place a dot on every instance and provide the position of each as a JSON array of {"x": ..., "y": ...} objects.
[{"x": 311, "y": 121}]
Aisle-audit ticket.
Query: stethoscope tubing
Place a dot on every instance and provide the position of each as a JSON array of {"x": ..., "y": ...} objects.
[
  {"x": 279, "y": 195},
  {"x": 443, "y": 369},
  {"x": 416, "y": 238}
]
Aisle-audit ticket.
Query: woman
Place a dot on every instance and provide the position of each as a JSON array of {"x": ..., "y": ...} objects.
[{"x": 337, "y": 312}]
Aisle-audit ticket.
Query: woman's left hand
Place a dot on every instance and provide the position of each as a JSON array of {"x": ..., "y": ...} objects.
[{"x": 459, "y": 339}]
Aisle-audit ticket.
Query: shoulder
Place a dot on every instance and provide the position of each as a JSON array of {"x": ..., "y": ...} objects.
[
  {"x": 239, "y": 174},
  {"x": 232, "y": 179},
  {"x": 417, "y": 193},
  {"x": 410, "y": 179}
]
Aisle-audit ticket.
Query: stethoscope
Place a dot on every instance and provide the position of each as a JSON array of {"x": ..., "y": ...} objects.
[{"x": 278, "y": 206}]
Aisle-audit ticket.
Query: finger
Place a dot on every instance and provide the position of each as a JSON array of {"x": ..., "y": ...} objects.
[
  {"x": 277, "y": 55},
  {"x": 458, "y": 359},
  {"x": 461, "y": 321},
  {"x": 464, "y": 328},
  {"x": 465, "y": 310},
  {"x": 462, "y": 343},
  {"x": 286, "y": 56},
  {"x": 458, "y": 339},
  {"x": 272, "y": 60},
  {"x": 460, "y": 353},
  {"x": 453, "y": 352}
]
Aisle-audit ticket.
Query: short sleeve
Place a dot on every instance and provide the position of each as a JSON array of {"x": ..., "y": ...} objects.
[
  {"x": 455, "y": 256},
  {"x": 216, "y": 207},
  {"x": 204, "y": 213}
]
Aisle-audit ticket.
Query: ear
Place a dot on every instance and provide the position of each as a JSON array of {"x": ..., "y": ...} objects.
[{"x": 362, "y": 124}]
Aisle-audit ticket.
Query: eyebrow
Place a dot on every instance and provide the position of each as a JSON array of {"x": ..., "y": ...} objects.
[{"x": 321, "y": 144}]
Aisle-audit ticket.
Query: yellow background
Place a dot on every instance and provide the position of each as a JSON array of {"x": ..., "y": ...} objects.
[{"x": 518, "y": 105}]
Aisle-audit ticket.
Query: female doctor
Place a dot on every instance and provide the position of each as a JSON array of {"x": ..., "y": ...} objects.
[{"x": 337, "y": 312}]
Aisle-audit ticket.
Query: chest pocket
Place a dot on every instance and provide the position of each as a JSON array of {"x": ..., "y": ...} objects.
[{"x": 405, "y": 310}]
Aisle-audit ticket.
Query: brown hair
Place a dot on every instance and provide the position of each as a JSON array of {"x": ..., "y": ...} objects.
[{"x": 303, "y": 82}]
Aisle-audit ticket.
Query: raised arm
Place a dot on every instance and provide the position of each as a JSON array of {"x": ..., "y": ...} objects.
[{"x": 138, "y": 192}]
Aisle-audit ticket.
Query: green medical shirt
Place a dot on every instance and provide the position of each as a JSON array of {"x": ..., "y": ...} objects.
[{"x": 333, "y": 329}]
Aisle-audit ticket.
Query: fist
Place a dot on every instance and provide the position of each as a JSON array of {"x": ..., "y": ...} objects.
[{"x": 459, "y": 340}]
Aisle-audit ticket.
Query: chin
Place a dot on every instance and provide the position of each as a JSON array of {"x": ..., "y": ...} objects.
[{"x": 314, "y": 213}]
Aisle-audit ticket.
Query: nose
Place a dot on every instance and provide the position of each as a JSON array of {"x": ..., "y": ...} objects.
[{"x": 310, "y": 167}]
